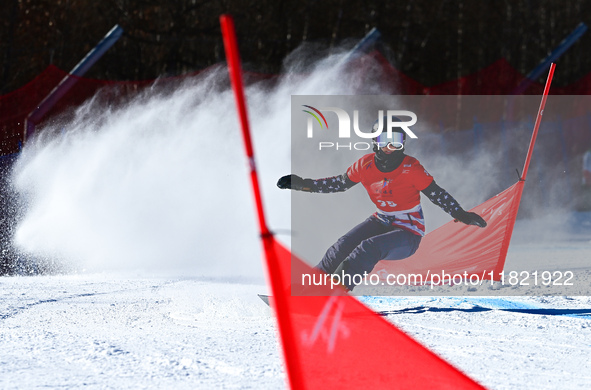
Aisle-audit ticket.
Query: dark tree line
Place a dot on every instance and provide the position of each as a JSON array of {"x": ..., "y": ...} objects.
[{"x": 431, "y": 41}]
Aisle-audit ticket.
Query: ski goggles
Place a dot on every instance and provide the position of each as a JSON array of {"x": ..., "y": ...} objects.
[{"x": 396, "y": 141}]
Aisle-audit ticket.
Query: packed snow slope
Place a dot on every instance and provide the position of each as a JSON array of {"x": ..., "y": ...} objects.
[{"x": 125, "y": 332}]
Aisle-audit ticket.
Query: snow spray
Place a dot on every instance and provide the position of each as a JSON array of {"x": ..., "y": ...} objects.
[{"x": 159, "y": 183}]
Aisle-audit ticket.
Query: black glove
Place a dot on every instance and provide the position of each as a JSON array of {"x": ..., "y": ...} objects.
[
  {"x": 469, "y": 218},
  {"x": 293, "y": 182}
]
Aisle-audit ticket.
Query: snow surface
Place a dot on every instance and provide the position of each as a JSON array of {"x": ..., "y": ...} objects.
[
  {"x": 114, "y": 331},
  {"x": 104, "y": 331},
  {"x": 146, "y": 208}
]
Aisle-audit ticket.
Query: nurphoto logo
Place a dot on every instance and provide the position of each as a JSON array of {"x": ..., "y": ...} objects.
[{"x": 344, "y": 126}]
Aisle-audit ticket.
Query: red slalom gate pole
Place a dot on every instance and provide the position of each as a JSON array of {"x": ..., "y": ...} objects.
[
  {"x": 286, "y": 332},
  {"x": 532, "y": 142},
  {"x": 534, "y": 135},
  {"x": 235, "y": 71}
]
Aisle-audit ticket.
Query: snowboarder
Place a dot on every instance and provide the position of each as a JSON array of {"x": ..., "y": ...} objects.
[{"x": 393, "y": 181}]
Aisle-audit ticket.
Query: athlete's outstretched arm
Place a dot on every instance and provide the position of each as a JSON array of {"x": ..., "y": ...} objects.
[
  {"x": 338, "y": 183},
  {"x": 443, "y": 199}
]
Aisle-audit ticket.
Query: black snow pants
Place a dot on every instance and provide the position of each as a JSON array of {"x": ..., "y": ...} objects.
[{"x": 363, "y": 246}]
